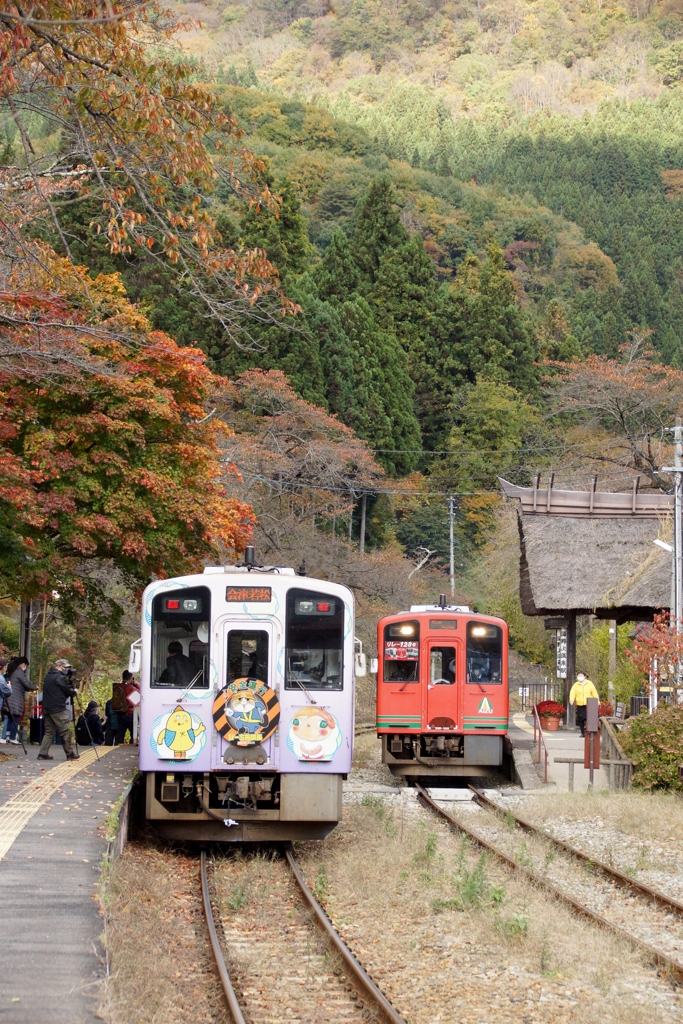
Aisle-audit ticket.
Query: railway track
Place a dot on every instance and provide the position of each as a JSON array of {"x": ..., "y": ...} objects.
[
  {"x": 286, "y": 959},
  {"x": 645, "y": 918}
]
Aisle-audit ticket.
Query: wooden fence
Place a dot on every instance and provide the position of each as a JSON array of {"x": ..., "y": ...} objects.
[{"x": 619, "y": 767}]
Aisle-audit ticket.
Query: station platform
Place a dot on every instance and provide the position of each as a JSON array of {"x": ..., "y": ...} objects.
[
  {"x": 52, "y": 838},
  {"x": 563, "y": 743}
]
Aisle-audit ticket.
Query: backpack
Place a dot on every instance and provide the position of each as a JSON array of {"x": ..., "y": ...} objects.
[
  {"x": 119, "y": 704},
  {"x": 82, "y": 734}
]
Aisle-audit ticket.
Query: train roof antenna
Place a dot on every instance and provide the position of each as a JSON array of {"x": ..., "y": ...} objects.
[
  {"x": 249, "y": 556},
  {"x": 442, "y": 601}
]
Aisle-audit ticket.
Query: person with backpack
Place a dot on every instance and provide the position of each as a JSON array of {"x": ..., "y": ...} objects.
[
  {"x": 122, "y": 705},
  {"x": 89, "y": 729},
  {"x": 111, "y": 723}
]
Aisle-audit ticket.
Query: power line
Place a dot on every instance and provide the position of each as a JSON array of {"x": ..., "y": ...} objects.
[{"x": 350, "y": 489}]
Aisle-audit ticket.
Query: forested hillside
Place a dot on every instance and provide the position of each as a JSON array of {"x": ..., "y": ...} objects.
[
  {"x": 451, "y": 231},
  {"x": 579, "y": 105}
]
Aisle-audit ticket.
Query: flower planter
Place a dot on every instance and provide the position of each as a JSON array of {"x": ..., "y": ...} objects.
[{"x": 549, "y": 723}]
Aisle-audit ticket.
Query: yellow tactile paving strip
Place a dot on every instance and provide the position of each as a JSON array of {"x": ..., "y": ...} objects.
[{"x": 16, "y": 812}]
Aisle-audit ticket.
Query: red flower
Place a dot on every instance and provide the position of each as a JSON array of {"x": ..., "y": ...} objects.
[{"x": 550, "y": 709}]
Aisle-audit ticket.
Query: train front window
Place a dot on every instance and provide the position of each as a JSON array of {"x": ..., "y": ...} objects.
[
  {"x": 314, "y": 641},
  {"x": 180, "y": 638},
  {"x": 484, "y": 653},
  {"x": 442, "y": 666},
  {"x": 402, "y": 652},
  {"x": 248, "y": 655}
]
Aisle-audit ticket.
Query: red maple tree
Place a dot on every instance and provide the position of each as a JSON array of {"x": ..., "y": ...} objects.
[{"x": 114, "y": 460}]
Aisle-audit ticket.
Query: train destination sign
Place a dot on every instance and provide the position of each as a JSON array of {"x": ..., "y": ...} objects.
[{"x": 254, "y": 594}]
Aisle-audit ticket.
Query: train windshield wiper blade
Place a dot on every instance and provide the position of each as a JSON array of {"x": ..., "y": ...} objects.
[{"x": 301, "y": 685}]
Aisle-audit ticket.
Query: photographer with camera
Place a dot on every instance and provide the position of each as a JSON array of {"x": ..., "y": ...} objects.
[{"x": 57, "y": 689}]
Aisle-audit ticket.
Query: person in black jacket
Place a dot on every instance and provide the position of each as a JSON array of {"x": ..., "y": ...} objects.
[
  {"x": 56, "y": 691},
  {"x": 89, "y": 727}
]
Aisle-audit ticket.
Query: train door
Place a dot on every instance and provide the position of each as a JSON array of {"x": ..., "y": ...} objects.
[
  {"x": 442, "y": 704},
  {"x": 246, "y": 710}
]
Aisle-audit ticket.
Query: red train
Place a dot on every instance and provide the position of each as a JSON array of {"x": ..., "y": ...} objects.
[{"x": 442, "y": 693}]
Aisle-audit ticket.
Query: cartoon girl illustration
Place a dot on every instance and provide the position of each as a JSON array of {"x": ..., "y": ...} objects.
[{"x": 314, "y": 735}]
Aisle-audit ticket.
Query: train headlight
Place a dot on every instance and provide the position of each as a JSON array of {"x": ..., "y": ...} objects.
[
  {"x": 407, "y": 630},
  {"x": 490, "y": 631}
]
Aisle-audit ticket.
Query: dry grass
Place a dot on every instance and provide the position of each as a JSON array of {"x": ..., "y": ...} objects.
[
  {"x": 161, "y": 968},
  {"x": 443, "y": 930},
  {"x": 645, "y": 816}
]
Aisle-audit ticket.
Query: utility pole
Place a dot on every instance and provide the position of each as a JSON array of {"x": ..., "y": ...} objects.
[
  {"x": 363, "y": 502},
  {"x": 25, "y": 629},
  {"x": 613, "y": 637},
  {"x": 451, "y": 517},
  {"x": 677, "y": 470},
  {"x": 678, "y": 533}
]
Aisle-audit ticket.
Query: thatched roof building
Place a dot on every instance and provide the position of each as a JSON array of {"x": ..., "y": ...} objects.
[
  {"x": 605, "y": 567},
  {"x": 592, "y": 560}
]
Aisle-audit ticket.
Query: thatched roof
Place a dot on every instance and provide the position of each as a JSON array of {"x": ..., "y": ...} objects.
[{"x": 603, "y": 566}]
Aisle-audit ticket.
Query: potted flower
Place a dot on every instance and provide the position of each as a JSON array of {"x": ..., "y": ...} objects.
[{"x": 549, "y": 713}]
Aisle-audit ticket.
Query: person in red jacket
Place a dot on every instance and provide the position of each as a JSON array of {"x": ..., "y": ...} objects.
[{"x": 122, "y": 698}]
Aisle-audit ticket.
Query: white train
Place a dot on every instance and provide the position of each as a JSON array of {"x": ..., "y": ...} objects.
[{"x": 247, "y": 703}]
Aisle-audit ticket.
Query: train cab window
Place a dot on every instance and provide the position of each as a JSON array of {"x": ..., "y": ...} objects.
[
  {"x": 248, "y": 655},
  {"x": 441, "y": 666},
  {"x": 180, "y": 638},
  {"x": 314, "y": 641},
  {"x": 402, "y": 652},
  {"x": 484, "y": 653}
]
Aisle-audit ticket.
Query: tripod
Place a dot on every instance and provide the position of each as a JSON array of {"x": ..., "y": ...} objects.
[
  {"x": 92, "y": 742},
  {"x": 16, "y": 726}
]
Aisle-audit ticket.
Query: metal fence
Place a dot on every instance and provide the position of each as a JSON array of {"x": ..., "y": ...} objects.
[{"x": 533, "y": 693}]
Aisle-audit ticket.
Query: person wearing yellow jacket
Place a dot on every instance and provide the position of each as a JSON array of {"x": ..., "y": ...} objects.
[{"x": 580, "y": 692}]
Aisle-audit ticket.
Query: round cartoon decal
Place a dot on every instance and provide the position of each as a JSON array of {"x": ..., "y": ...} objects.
[
  {"x": 246, "y": 712},
  {"x": 178, "y": 735},
  {"x": 314, "y": 734}
]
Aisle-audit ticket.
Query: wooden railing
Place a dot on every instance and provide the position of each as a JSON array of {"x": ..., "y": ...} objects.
[
  {"x": 619, "y": 767},
  {"x": 540, "y": 743}
]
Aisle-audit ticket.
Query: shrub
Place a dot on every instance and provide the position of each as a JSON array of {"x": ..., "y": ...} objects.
[
  {"x": 605, "y": 709},
  {"x": 655, "y": 744}
]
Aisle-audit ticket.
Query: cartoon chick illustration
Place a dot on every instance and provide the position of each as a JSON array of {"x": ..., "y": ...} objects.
[{"x": 178, "y": 734}]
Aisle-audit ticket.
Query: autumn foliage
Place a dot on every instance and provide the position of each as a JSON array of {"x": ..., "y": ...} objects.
[
  {"x": 635, "y": 398},
  {"x": 108, "y": 454},
  {"x": 298, "y": 461},
  {"x": 131, "y": 132},
  {"x": 658, "y": 648}
]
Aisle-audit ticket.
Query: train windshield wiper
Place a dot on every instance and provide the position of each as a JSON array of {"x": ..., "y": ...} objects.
[{"x": 301, "y": 685}]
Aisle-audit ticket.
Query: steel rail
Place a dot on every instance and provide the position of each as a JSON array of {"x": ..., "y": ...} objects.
[
  {"x": 654, "y": 956},
  {"x": 359, "y": 974},
  {"x": 638, "y": 887},
  {"x": 230, "y": 997}
]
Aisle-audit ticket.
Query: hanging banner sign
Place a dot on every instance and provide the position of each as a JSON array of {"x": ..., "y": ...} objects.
[{"x": 561, "y": 654}]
